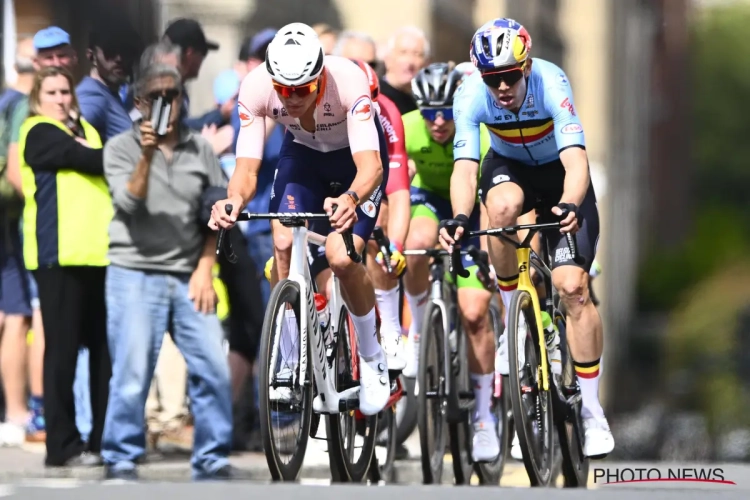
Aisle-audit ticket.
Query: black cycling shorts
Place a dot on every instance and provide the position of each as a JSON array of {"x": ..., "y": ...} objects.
[{"x": 542, "y": 187}]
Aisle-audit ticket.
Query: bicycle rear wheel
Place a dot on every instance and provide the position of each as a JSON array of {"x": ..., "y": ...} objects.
[
  {"x": 532, "y": 406},
  {"x": 382, "y": 468},
  {"x": 406, "y": 411},
  {"x": 431, "y": 396},
  {"x": 491, "y": 473},
  {"x": 575, "y": 465},
  {"x": 347, "y": 435},
  {"x": 277, "y": 418}
]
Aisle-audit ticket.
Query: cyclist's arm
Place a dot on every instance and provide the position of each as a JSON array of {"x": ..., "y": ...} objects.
[
  {"x": 465, "y": 155},
  {"x": 397, "y": 190},
  {"x": 363, "y": 134},
  {"x": 251, "y": 138},
  {"x": 570, "y": 141}
]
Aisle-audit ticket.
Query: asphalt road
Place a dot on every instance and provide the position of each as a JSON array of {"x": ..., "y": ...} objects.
[
  {"x": 22, "y": 475},
  {"x": 202, "y": 491}
]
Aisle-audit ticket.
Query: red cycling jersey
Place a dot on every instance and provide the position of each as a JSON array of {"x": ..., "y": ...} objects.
[{"x": 390, "y": 120}]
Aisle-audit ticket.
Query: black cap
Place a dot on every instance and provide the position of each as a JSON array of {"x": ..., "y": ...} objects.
[
  {"x": 187, "y": 33},
  {"x": 115, "y": 34}
]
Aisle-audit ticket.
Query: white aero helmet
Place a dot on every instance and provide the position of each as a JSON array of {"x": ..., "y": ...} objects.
[{"x": 294, "y": 56}]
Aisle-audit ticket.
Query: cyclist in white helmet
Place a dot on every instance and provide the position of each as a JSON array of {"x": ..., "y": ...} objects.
[{"x": 333, "y": 135}]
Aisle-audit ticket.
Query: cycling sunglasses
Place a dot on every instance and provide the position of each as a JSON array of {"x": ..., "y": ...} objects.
[
  {"x": 509, "y": 76},
  {"x": 303, "y": 90},
  {"x": 433, "y": 114}
]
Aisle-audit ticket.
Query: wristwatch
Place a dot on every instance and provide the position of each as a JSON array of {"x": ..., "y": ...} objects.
[{"x": 354, "y": 197}]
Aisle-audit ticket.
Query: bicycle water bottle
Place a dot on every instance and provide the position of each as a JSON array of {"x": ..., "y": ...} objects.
[
  {"x": 324, "y": 316},
  {"x": 553, "y": 344}
]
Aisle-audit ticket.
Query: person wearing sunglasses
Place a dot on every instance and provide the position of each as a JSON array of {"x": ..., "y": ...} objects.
[
  {"x": 333, "y": 136},
  {"x": 537, "y": 154},
  {"x": 429, "y": 144}
]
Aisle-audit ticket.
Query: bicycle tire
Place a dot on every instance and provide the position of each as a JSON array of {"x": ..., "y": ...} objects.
[
  {"x": 430, "y": 379},
  {"x": 340, "y": 456},
  {"x": 490, "y": 473},
  {"x": 285, "y": 292},
  {"x": 384, "y": 471},
  {"x": 406, "y": 411},
  {"x": 538, "y": 465},
  {"x": 575, "y": 465},
  {"x": 461, "y": 433}
]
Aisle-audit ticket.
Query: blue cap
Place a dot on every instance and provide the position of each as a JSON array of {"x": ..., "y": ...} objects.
[
  {"x": 51, "y": 37},
  {"x": 262, "y": 38},
  {"x": 226, "y": 86}
]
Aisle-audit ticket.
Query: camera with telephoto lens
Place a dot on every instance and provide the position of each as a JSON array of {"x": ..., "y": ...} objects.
[{"x": 161, "y": 109}]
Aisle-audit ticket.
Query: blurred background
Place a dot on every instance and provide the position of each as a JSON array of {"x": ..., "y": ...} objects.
[{"x": 658, "y": 85}]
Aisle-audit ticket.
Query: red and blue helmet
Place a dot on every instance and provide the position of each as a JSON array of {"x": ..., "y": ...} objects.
[{"x": 498, "y": 44}]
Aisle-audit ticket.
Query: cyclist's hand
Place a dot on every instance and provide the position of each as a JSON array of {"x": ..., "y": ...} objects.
[
  {"x": 345, "y": 215},
  {"x": 149, "y": 140},
  {"x": 201, "y": 290},
  {"x": 398, "y": 261},
  {"x": 452, "y": 230},
  {"x": 219, "y": 217},
  {"x": 568, "y": 213}
]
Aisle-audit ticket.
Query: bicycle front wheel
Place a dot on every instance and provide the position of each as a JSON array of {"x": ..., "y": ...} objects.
[
  {"x": 532, "y": 405},
  {"x": 285, "y": 411},
  {"x": 431, "y": 396}
]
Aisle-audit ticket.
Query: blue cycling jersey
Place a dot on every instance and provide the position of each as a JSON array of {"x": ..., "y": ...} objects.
[{"x": 545, "y": 125}]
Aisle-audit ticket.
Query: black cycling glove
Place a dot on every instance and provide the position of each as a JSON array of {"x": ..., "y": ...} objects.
[{"x": 451, "y": 225}]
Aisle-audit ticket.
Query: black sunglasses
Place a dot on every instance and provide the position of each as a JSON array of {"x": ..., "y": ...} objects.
[
  {"x": 168, "y": 94},
  {"x": 510, "y": 77}
]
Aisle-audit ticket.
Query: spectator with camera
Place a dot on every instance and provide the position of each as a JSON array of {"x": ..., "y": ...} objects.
[{"x": 160, "y": 277}]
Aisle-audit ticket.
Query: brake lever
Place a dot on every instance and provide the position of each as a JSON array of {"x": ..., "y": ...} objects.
[
  {"x": 481, "y": 259},
  {"x": 385, "y": 246},
  {"x": 351, "y": 250},
  {"x": 224, "y": 242}
]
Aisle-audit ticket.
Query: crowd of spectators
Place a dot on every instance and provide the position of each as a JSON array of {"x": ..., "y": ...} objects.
[{"x": 113, "y": 340}]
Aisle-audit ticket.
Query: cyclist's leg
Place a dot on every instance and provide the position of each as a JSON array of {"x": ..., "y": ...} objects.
[
  {"x": 386, "y": 296},
  {"x": 584, "y": 325},
  {"x": 427, "y": 209},
  {"x": 359, "y": 296},
  {"x": 356, "y": 285},
  {"x": 474, "y": 303},
  {"x": 504, "y": 195}
]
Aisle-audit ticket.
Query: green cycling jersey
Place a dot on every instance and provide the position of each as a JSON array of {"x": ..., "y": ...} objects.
[{"x": 434, "y": 161}]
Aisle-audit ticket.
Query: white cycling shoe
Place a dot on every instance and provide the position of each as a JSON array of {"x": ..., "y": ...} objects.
[
  {"x": 411, "y": 353},
  {"x": 375, "y": 386},
  {"x": 485, "y": 447},
  {"x": 394, "y": 352},
  {"x": 598, "y": 440}
]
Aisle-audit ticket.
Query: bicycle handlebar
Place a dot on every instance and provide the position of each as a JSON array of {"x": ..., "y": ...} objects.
[
  {"x": 499, "y": 232},
  {"x": 224, "y": 244}
]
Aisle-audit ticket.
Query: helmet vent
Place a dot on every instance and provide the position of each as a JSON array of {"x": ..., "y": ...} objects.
[{"x": 499, "y": 47}]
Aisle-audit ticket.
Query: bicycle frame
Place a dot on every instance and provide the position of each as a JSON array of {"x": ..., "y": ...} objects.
[
  {"x": 324, "y": 372},
  {"x": 523, "y": 254}
]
